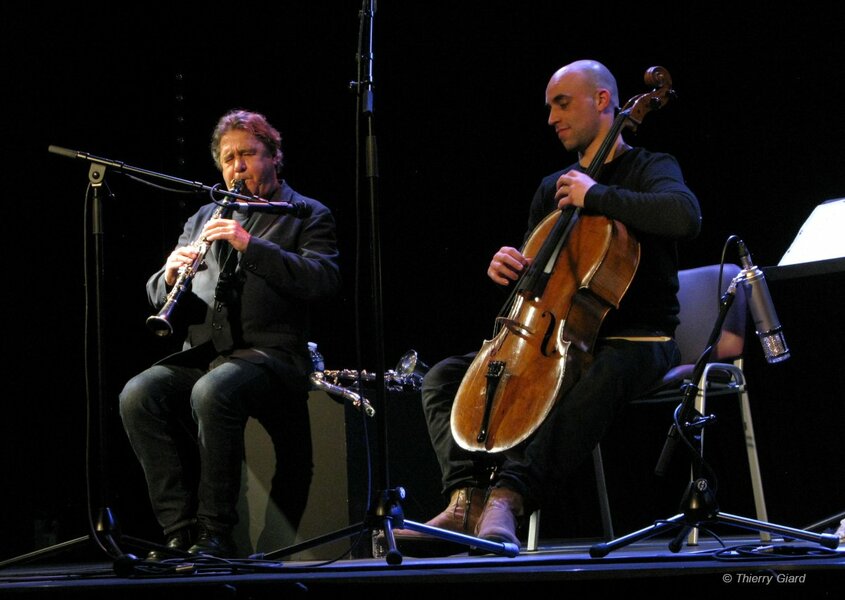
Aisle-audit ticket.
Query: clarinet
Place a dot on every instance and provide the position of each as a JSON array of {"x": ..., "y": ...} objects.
[{"x": 160, "y": 323}]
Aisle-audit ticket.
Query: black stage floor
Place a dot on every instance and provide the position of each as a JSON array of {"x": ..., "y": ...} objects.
[{"x": 730, "y": 566}]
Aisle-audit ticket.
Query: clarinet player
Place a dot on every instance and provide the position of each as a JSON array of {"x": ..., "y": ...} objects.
[{"x": 246, "y": 315}]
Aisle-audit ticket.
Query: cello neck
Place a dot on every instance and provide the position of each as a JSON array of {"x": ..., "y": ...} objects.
[
  {"x": 533, "y": 280},
  {"x": 607, "y": 145}
]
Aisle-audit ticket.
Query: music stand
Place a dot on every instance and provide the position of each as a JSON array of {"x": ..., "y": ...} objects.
[{"x": 698, "y": 503}]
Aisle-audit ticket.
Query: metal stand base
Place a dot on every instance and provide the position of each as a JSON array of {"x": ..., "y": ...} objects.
[
  {"x": 386, "y": 517},
  {"x": 700, "y": 508}
]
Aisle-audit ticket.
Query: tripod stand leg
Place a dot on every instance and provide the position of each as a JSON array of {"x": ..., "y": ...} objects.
[
  {"x": 825, "y": 539},
  {"x": 503, "y": 548},
  {"x": 678, "y": 541},
  {"x": 346, "y": 532},
  {"x": 46, "y": 551},
  {"x": 393, "y": 556},
  {"x": 604, "y": 548},
  {"x": 103, "y": 537}
]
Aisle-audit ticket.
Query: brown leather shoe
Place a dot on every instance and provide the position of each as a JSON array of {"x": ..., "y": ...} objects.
[
  {"x": 498, "y": 522},
  {"x": 461, "y": 516}
]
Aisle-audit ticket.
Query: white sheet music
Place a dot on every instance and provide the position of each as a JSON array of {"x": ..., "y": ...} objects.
[{"x": 821, "y": 237}]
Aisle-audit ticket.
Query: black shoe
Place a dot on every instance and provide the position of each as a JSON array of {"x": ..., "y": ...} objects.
[
  {"x": 177, "y": 542},
  {"x": 210, "y": 543}
]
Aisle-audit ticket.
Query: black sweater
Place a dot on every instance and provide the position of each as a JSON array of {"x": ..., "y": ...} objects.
[{"x": 646, "y": 192}]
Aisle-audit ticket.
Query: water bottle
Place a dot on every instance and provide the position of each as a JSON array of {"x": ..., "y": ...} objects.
[{"x": 317, "y": 360}]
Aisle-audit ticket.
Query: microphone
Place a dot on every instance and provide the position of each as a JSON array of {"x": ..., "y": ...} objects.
[
  {"x": 297, "y": 209},
  {"x": 85, "y": 156},
  {"x": 766, "y": 321},
  {"x": 65, "y": 151}
]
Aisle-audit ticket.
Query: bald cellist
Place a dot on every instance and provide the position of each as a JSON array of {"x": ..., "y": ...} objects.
[{"x": 645, "y": 192}]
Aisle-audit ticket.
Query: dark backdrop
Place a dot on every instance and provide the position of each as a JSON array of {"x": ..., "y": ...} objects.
[{"x": 462, "y": 143}]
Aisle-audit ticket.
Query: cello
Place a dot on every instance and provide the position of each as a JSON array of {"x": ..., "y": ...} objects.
[{"x": 543, "y": 339}]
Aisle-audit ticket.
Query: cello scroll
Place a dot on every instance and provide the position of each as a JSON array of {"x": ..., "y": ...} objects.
[{"x": 639, "y": 106}]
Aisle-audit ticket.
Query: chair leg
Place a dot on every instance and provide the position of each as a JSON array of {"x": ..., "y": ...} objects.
[
  {"x": 750, "y": 446},
  {"x": 601, "y": 488},
  {"x": 700, "y": 403},
  {"x": 754, "y": 464},
  {"x": 533, "y": 541}
]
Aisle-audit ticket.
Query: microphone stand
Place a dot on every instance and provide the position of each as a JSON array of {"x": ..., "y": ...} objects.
[
  {"x": 104, "y": 530},
  {"x": 246, "y": 204},
  {"x": 698, "y": 504},
  {"x": 385, "y": 511},
  {"x": 106, "y": 525}
]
